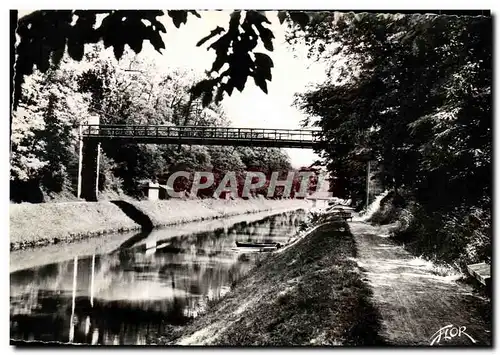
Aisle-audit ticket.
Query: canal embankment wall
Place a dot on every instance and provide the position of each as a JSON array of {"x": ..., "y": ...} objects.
[{"x": 34, "y": 225}]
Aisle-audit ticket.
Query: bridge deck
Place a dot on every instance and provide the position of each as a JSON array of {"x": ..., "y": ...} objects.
[{"x": 199, "y": 135}]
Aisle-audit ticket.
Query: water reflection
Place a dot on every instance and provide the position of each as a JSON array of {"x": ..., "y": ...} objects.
[{"x": 148, "y": 283}]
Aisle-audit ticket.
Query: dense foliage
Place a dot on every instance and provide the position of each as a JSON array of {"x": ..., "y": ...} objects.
[{"x": 414, "y": 92}]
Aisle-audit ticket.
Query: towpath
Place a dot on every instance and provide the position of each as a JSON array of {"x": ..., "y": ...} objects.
[{"x": 415, "y": 300}]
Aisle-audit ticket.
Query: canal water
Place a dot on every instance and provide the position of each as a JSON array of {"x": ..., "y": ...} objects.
[{"x": 146, "y": 284}]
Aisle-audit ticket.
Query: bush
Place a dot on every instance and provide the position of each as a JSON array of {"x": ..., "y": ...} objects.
[
  {"x": 391, "y": 208},
  {"x": 460, "y": 236},
  {"x": 108, "y": 182}
]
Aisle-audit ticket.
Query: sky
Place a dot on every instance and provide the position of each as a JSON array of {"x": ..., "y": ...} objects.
[{"x": 292, "y": 73}]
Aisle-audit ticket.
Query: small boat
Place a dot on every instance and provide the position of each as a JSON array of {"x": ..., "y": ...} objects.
[{"x": 257, "y": 245}]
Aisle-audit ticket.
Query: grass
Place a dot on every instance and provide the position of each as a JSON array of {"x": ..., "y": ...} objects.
[
  {"x": 313, "y": 293},
  {"x": 389, "y": 210},
  {"x": 174, "y": 211},
  {"x": 459, "y": 236},
  {"x": 436, "y": 269},
  {"x": 45, "y": 223}
]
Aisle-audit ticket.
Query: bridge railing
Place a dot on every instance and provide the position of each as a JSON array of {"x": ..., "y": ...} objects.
[{"x": 201, "y": 132}]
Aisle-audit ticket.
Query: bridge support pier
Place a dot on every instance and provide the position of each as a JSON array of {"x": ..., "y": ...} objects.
[{"x": 89, "y": 172}]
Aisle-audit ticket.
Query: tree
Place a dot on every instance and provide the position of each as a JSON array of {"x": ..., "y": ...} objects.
[
  {"x": 44, "y": 132},
  {"x": 140, "y": 94},
  {"x": 399, "y": 82},
  {"x": 417, "y": 92}
]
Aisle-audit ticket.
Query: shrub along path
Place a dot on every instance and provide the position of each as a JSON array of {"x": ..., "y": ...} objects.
[{"x": 415, "y": 299}]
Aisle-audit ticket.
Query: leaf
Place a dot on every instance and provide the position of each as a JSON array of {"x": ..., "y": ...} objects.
[
  {"x": 118, "y": 49},
  {"x": 299, "y": 17},
  {"x": 222, "y": 44},
  {"x": 266, "y": 36},
  {"x": 108, "y": 29},
  {"x": 156, "y": 41},
  {"x": 229, "y": 87},
  {"x": 202, "y": 86},
  {"x": 43, "y": 63},
  {"x": 194, "y": 12},
  {"x": 239, "y": 78},
  {"x": 258, "y": 16},
  {"x": 263, "y": 60},
  {"x": 75, "y": 50},
  {"x": 263, "y": 64},
  {"x": 220, "y": 94},
  {"x": 57, "y": 55},
  {"x": 134, "y": 40},
  {"x": 217, "y": 31},
  {"x": 282, "y": 16},
  {"x": 135, "y": 44},
  {"x": 234, "y": 22},
  {"x": 219, "y": 61},
  {"x": 85, "y": 26},
  {"x": 260, "y": 82},
  {"x": 158, "y": 25},
  {"x": 178, "y": 17},
  {"x": 207, "y": 98}
]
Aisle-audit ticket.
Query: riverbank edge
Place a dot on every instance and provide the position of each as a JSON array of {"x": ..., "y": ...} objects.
[
  {"x": 36, "y": 225},
  {"x": 310, "y": 294}
]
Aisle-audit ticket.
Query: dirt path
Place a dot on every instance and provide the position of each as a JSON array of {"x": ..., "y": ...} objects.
[{"x": 414, "y": 302}]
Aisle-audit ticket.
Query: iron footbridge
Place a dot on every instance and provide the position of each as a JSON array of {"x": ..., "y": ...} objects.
[{"x": 201, "y": 135}]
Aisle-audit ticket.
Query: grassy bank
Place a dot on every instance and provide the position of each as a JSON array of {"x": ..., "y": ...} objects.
[
  {"x": 312, "y": 293},
  {"x": 457, "y": 237},
  {"x": 41, "y": 224},
  {"x": 167, "y": 212},
  {"x": 45, "y": 223}
]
